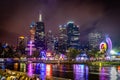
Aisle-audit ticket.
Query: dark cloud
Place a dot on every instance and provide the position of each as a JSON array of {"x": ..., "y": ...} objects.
[{"x": 17, "y": 15}]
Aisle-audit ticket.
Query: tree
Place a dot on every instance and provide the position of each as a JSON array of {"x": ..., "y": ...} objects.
[
  {"x": 95, "y": 53},
  {"x": 72, "y": 53}
]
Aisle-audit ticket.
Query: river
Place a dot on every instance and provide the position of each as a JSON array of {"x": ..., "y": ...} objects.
[{"x": 73, "y": 72}]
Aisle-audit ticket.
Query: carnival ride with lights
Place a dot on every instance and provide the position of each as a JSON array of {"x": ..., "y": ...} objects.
[{"x": 106, "y": 46}]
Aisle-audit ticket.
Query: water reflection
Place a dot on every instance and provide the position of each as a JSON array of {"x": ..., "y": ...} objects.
[
  {"x": 23, "y": 67},
  {"x": 42, "y": 71},
  {"x": 48, "y": 70},
  {"x": 30, "y": 69},
  {"x": 16, "y": 66},
  {"x": 118, "y": 70},
  {"x": 80, "y": 72},
  {"x": 74, "y": 72},
  {"x": 2, "y": 66},
  {"x": 104, "y": 72},
  {"x": 113, "y": 73}
]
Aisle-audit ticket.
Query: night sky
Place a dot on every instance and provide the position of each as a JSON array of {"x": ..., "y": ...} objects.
[{"x": 17, "y": 15}]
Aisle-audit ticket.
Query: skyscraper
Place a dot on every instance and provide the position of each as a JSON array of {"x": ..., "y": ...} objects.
[
  {"x": 40, "y": 34},
  {"x": 69, "y": 36},
  {"x": 95, "y": 38},
  {"x": 62, "y": 44},
  {"x": 73, "y": 35},
  {"x": 50, "y": 41}
]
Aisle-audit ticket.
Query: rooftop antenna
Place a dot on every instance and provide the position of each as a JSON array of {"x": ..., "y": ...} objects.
[{"x": 40, "y": 17}]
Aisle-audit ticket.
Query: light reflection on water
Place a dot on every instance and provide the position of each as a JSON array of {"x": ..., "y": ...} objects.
[
  {"x": 113, "y": 73},
  {"x": 30, "y": 69},
  {"x": 80, "y": 72},
  {"x": 22, "y": 67},
  {"x": 74, "y": 72}
]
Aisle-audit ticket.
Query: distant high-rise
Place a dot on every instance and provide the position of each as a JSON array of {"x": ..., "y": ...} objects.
[
  {"x": 50, "y": 41},
  {"x": 22, "y": 43},
  {"x": 32, "y": 32},
  {"x": 95, "y": 38},
  {"x": 62, "y": 39},
  {"x": 56, "y": 48},
  {"x": 40, "y": 34},
  {"x": 69, "y": 36},
  {"x": 73, "y": 35}
]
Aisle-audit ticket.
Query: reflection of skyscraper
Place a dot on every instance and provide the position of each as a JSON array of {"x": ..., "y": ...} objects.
[
  {"x": 22, "y": 67},
  {"x": 42, "y": 71},
  {"x": 40, "y": 34},
  {"x": 48, "y": 70},
  {"x": 30, "y": 69},
  {"x": 113, "y": 73},
  {"x": 80, "y": 72},
  {"x": 16, "y": 66}
]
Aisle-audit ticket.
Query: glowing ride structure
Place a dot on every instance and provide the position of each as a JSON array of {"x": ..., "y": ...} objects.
[
  {"x": 106, "y": 46},
  {"x": 103, "y": 47}
]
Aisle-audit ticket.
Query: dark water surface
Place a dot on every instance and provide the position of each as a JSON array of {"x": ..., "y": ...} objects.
[{"x": 74, "y": 72}]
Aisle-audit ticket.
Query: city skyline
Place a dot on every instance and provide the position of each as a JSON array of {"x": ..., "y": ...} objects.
[{"x": 16, "y": 16}]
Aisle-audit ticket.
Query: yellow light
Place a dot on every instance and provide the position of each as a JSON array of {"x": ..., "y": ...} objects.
[
  {"x": 22, "y": 37},
  {"x": 100, "y": 64}
]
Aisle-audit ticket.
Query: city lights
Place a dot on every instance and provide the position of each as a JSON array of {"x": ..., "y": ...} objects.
[
  {"x": 112, "y": 52},
  {"x": 60, "y": 40}
]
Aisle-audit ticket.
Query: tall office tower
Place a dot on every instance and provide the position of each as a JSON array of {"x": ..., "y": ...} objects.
[
  {"x": 40, "y": 34},
  {"x": 95, "y": 38},
  {"x": 62, "y": 39},
  {"x": 73, "y": 35},
  {"x": 50, "y": 41}
]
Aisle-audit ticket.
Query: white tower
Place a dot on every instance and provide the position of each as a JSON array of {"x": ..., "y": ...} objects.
[{"x": 40, "y": 17}]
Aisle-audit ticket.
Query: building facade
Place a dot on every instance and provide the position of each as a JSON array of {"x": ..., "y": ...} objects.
[
  {"x": 22, "y": 43},
  {"x": 40, "y": 34},
  {"x": 62, "y": 39},
  {"x": 95, "y": 38},
  {"x": 50, "y": 41},
  {"x": 73, "y": 35}
]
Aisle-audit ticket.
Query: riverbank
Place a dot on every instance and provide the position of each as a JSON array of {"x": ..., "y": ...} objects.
[
  {"x": 90, "y": 63},
  {"x": 87, "y": 62},
  {"x": 60, "y": 72},
  {"x": 16, "y": 75},
  {"x": 103, "y": 63}
]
